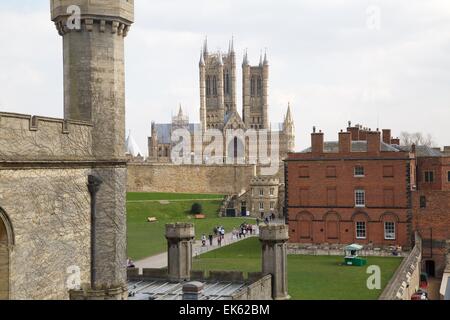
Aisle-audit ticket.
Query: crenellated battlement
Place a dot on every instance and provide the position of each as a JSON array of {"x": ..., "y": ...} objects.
[{"x": 27, "y": 137}]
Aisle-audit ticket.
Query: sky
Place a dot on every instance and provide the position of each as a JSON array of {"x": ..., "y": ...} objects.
[{"x": 380, "y": 63}]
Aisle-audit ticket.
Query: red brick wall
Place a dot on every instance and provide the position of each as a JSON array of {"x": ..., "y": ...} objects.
[{"x": 433, "y": 224}]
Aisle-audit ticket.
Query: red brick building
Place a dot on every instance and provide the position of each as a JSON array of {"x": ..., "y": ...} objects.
[
  {"x": 355, "y": 190},
  {"x": 365, "y": 188}
]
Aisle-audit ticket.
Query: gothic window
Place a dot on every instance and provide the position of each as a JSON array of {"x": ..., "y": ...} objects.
[
  {"x": 227, "y": 83},
  {"x": 208, "y": 86},
  {"x": 214, "y": 86},
  {"x": 259, "y": 87},
  {"x": 252, "y": 87}
]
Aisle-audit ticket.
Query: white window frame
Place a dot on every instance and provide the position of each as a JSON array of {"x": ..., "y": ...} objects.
[
  {"x": 358, "y": 226},
  {"x": 272, "y": 205},
  {"x": 357, "y": 198},
  {"x": 391, "y": 235},
  {"x": 261, "y": 192},
  {"x": 261, "y": 206},
  {"x": 359, "y": 175},
  {"x": 272, "y": 191}
]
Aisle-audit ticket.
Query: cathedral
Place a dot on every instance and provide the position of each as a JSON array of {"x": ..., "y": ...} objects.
[{"x": 218, "y": 108}]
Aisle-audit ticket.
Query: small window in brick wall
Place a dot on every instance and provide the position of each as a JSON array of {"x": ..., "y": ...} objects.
[
  {"x": 359, "y": 171},
  {"x": 429, "y": 176},
  {"x": 423, "y": 202},
  {"x": 448, "y": 176}
]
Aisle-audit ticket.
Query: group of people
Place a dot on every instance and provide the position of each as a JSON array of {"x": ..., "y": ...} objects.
[
  {"x": 243, "y": 230},
  {"x": 267, "y": 219},
  {"x": 218, "y": 232}
]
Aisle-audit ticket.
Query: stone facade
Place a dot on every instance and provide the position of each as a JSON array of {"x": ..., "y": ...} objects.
[{"x": 62, "y": 181}]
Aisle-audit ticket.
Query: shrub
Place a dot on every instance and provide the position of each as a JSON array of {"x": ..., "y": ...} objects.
[{"x": 196, "y": 208}]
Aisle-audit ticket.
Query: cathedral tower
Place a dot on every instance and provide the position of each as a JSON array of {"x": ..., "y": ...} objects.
[
  {"x": 217, "y": 86},
  {"x": 255, "y": 85}
]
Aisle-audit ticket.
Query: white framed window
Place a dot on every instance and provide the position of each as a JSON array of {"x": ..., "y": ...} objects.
[
  {"x": 389, "y": 230},
  {"x": 361, "y": 232},
  {"x": 272, "y": 205},
  {"x": 261, "y": 192},
  {"x": 272, "y": 191},
  {"x": 359, "y": 171},
  {"x": 360, "y": 198},
  {"x": 261, "y": 206}
]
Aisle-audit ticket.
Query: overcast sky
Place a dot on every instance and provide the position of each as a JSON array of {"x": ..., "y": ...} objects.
[{"x": 381, "y": 63}]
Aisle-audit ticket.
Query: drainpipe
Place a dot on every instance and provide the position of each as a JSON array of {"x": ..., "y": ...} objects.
[{"x": 94, "y": 184}]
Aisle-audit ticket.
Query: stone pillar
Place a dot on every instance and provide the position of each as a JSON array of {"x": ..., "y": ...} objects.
[
  {"x": 274, "y": 258},
  {"x": 179, "y": 237}
]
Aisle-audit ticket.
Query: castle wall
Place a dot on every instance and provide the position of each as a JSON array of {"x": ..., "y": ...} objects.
[
  {"x": 49, "y": 210},
  {"x": 221, "y": 179},
  {"x": 23, "y": 137}
]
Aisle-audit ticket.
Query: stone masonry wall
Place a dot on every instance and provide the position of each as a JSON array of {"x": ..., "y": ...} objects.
[
  {"x": 23, "y": 137},
  {"x": 226, "y": 179},
  {"x": 49, "y": 210}
]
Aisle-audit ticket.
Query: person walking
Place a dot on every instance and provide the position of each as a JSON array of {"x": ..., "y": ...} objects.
[
  {"x": 211, "y": 237},
  {"x": 203, "y": 241}
]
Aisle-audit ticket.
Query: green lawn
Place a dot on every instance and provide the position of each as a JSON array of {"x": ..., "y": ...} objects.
[
  {"x": 147, "y": 239},
  {"x": 309, "y": 277}
]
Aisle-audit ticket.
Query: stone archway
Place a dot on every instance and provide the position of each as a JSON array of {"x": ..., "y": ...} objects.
[{"x": 6, "y": 241}]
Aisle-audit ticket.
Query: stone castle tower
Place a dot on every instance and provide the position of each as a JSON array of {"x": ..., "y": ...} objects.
[{"x": 94, "y": 92}]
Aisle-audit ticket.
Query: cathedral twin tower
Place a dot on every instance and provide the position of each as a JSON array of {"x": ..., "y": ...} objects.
[{"x": 218, "y": 90}]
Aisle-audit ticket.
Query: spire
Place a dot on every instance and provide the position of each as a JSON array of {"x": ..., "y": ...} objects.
[
  {"x": 260, "y": 60},
  {"x": 245, "y": 62},
  {"x": 202, "y": 58},
  {"x": 266, "y": 62},
  {"x": 288, "y": 114},
  {"x": 180, "y": 111},
  {"x": 205, "y": 47},
  {"x": 220, "y": 59},
  {"x": 232, "y": 45}
]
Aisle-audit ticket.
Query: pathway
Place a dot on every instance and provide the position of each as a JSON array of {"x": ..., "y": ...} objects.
[{"x": 160, "y": 260}]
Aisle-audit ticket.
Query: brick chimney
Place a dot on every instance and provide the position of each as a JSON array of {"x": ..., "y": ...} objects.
[
  {"x": 345, "y": 142},
  {"x": 354, "y": 131},
  {"x": 395, "y": 141},
  {"x": 373, "y": 142},
  {"x": 387, "y": 136},
  {"x": 317, "y": 142}
]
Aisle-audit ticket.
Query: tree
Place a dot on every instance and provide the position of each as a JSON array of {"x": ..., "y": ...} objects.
[
  {"x": 417, "y": 138},
  {"x": 196, "y": 208}
]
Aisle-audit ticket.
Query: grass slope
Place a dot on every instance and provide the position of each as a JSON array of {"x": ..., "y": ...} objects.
[
  {"x": 147, "y": 239},
  {"x": 309, "y": 277}
]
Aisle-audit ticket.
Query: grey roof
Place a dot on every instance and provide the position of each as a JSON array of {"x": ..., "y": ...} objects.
[
  {"x": 164, "y": 131},
  {"x": 422, "y": 151},
  {"x": 357, "y": 146},
  {"x": 165, "y": 290}
]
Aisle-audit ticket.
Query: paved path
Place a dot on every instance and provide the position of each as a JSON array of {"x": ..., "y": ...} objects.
[{"x": 160, "y": 260}]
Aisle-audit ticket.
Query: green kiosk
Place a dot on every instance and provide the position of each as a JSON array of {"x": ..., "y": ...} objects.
[{"x": 351, "y": 255}]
